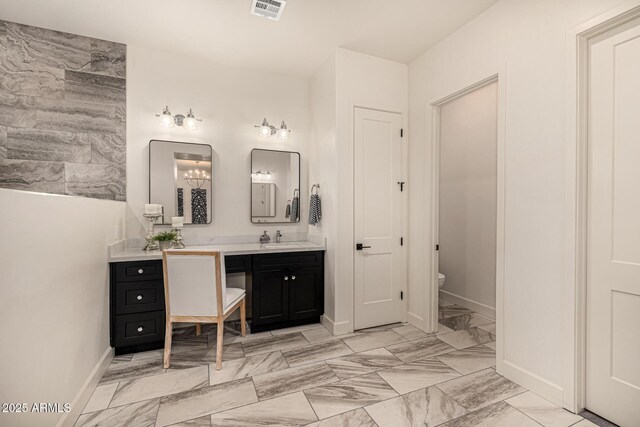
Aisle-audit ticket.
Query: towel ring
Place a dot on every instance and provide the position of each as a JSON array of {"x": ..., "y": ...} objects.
[
  {"x": 296, "y": 191},
  {"x": 315, "y": 187}
]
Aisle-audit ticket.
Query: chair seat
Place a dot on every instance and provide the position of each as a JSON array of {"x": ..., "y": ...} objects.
[{"x": 234, "y": 295}]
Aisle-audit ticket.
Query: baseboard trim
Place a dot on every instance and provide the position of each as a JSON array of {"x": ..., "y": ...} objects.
[
  {"x": 546, "y": 389},
  {"x": 336, "y": 328},
  {"x": 83, "y": 396},
  {"x": 415, "y": 320},
  {"x": 476, "y": 306}
]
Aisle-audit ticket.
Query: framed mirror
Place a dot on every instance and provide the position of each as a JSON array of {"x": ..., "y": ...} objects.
[
  {"x": 180, "y": 180},
  {"x": 275, "y": 186}
]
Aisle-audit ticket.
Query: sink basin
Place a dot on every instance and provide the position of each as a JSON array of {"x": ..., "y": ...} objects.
[{"x": 284, "y": 245}]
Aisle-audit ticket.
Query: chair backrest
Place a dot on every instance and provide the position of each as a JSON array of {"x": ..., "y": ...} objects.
[{"x": 194, "y": 282}]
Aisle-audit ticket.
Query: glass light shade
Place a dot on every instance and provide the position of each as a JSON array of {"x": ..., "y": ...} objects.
[
  {"x": 166, "y": 120},
  {"x": 283, "y": 133},
  {"x": 190, "y": 121},
  {"x": 265, "y": 131}
]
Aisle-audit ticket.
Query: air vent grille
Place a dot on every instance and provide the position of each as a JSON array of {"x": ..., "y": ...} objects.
[{"x": 271, "y": 9}]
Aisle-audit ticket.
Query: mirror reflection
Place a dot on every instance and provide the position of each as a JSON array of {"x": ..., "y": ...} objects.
[
  {"x": 180, "y": 180},
  {"x": 275, "y": 186}
]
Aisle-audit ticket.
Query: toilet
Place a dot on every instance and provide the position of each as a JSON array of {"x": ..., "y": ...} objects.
[{"x": 440, "y": 280}]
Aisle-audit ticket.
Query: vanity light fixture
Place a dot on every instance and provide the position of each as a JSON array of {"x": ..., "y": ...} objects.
[
  {"x": 167, "y": 120},
  {"x": 267, "y": 130},
  {"x": 261, "y": 175}
]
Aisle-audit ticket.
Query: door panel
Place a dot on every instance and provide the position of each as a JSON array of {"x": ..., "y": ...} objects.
[
  {"x": 378, "y": 217},
  {"x": 613, "y": 234},
  {"x": 270, "y": 297},
  {"x": 305, "y": 290}
]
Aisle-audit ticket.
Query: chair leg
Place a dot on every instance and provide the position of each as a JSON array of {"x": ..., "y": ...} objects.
[
  {"x": 167, "y": 344},
  {"x": 219, "y": 344},
  {"x": 198, "y": 329},
  {"x": 243, "y": 318}
]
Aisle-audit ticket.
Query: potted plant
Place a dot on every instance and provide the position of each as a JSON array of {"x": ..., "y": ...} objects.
[{"x": 165, "y": 239}]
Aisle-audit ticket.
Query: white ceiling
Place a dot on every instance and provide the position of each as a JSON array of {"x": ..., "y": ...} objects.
[{"x": 222, "y": 31}]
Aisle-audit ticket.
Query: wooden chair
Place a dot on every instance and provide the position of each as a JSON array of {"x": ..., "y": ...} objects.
[{"x": 195, "y": 290}]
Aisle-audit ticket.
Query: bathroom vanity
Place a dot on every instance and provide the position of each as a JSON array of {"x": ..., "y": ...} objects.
[{"x": 285, "y": 281}]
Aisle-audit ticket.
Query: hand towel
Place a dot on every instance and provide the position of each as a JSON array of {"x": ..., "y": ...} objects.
[
  {"x": 295, "y": 208},
  {"x": 315, "y": 209},
  {"x": 287, "y": 211}
]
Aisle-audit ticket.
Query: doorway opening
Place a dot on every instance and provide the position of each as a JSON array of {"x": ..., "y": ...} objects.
[{"x": 465, "y": 218}]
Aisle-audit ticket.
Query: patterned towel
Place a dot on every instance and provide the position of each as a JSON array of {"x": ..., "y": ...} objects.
[
  {"x": 287, "y": 212},
  {"x": 295, "y": 209},
  {"x": 315, "y": 209}
]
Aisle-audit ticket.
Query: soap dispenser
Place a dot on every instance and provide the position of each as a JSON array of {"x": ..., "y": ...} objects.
[{"x": 265, "y": 238}]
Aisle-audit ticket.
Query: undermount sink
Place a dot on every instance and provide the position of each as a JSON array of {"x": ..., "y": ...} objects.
[{"x": 283, "y": 245}]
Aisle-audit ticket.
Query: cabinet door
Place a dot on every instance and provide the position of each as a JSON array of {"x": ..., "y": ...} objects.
[
  {"x": 306, "y": 293},
  {"x": 270, "y": 297}
]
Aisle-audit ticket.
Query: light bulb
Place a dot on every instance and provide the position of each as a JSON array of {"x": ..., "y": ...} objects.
[
  {"x": 265, "y": 129},
  {"x": 283, "y": 132},
  {"x": 166, "y": 119},
  {"x": 190, "y": 121}
]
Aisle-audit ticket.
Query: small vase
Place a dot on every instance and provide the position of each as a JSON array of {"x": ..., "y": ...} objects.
[{"x": 164, "y": 244}]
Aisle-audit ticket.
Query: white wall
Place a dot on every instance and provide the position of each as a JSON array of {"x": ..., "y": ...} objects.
[
  {"x": 527, "y": 39},
  {"x": 54, "y": 318},
  {"x": 230, "y": 101},
  {"x": 467, "y": 198},
  {"x": 364, "y": 81},
  {"x": 323, "y": 171}
]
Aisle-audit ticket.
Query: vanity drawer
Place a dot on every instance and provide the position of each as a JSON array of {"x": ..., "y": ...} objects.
[
  {"x": 140, "y": 328},
  {"x": 137, "y": 297},
  {"x": 139, "y": 270},
  {"x": 237, "y": 263},
  {"x": 287, "y": 260}
]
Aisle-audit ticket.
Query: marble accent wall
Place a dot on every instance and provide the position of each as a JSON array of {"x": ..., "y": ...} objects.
[{"x": 62, "y": 113}]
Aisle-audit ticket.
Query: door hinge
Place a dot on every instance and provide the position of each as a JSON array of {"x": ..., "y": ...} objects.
[
  {"x": 437, "y": 247},
  {"x": 401, "y": 133},
  {"x": 401, "y": 295},
  {"x": 401, "y": 185},
  {"x": 402, "y": 241}
]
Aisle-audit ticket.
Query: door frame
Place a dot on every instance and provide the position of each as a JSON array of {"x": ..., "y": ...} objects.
[
  {"x": 433, "y": 135},
  {"x": 404, "y": 216},
  {"x": 574, "y": 351}
]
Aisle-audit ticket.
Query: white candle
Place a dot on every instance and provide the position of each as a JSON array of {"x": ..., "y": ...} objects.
[{"x": 177, "y": 221}]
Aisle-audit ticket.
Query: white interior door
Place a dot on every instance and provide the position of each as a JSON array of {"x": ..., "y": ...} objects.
[
  {"x": 378, "y": 218},
  {"x": 613, "y": 270}
]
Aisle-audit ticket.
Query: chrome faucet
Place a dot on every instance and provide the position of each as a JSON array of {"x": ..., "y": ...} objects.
[{"x": 278, "y": 236}]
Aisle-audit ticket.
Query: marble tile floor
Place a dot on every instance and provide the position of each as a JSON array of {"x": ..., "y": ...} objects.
[{"x": 392, "y": 375}]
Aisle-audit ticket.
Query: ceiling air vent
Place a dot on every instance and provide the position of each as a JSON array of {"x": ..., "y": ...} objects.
[{"x": 271, "y": 9}]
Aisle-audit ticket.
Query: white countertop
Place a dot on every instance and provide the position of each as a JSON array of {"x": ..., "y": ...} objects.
[{"x": 120, "y": 254}]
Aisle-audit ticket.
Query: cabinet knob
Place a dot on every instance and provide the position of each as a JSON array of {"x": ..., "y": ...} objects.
[
  {"x": 139, "y": 297},
  {"x": 140, "y": 271},
  {"x": 140, "y": 328},
  {"x": 293, "y": 277},
  {"x": 286, "y": 277}
]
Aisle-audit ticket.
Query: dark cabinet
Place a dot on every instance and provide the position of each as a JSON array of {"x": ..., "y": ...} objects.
[
  {"x": 287, "y": 290},
  {"x": 306, "y": 293},
  {"x": 270, "y": 298}
]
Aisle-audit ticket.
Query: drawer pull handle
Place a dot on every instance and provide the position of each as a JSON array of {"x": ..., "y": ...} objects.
[
  {"x": 293, "y": 277},
  {"x": 139, "y": 297},
  {"x": 286, "y": 277},
  {"x": 140, "y": 271},
  {"x": 140, "y": 328}
]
